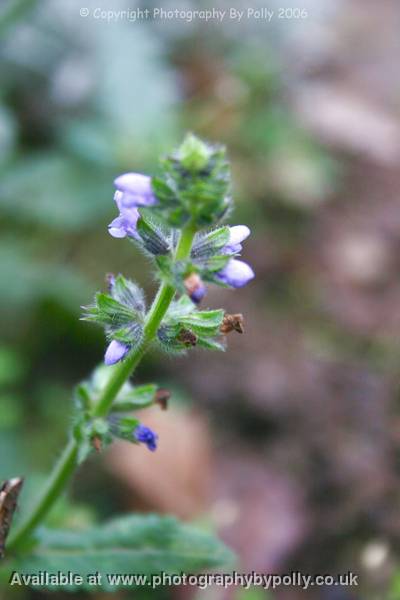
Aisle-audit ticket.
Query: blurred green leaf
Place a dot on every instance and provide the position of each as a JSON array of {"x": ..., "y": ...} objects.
[
  {"x": 28, "y": 278},
  {"x": 11, "y": 366},
  {"x": 136, "y": 91},
  {"x": 135, "y": 398},
  {"x": 129, "y": 544},
  {"x": 11, "y": 411},
  {"x": 57, "y": 192}
]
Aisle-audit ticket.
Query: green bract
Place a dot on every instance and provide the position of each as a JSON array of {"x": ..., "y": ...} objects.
[
  {"x": 194, "y": 185},
  {"x": 121, "y": 312},
  {"x": 155, "y": 236},
  {"x": 185, "y": 326}
]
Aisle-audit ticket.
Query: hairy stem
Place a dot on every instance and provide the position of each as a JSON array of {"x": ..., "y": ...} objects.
[{"x": 67, "y": 462}]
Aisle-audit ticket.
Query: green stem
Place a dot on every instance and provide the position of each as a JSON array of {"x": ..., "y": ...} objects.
[{"x": 67, "y": 462}]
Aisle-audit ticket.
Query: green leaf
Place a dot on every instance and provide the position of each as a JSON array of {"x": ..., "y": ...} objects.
[
  {"x": 182, "y": 307},
  {"x": 183, "y": 316},
  {"x": 206, "y": 322},
  {"x": 125, "y": 427},
  {"x": 82, "y": 396},
  {"x": 128, "y": 293},
  {"x": 138, "y": 397},
  {"x": 210, "y": 344},
  {"x": 69, "y": 196},
  {"x": 209, "y": 244},
  {"x": 108, "y": 311},
  {"x": 132, "y": 334},
  {"x": 131, "y": 544},
  {"x": 213, "y": 264},
  {"x": 154, "y": 233},
  {"x": 163, "y": 191}
]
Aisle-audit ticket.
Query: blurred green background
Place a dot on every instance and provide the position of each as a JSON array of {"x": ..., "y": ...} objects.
[{"x": 288, "y": 445}]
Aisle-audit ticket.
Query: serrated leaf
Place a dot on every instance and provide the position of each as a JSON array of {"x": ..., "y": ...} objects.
[
  {"x": 138, "y": 397},
  {"x": 131, "y": 544}
]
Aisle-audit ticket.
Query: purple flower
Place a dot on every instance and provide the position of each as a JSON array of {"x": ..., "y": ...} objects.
[
  {"x": 134, "y": 190},
  {"x": 198, "y": 294},
  {"x": 146, "y": 436},
  {"x": 115, "y": 352},
  {"x": 195, "y": 288},
  {"x": 125, "y": 224},
  {"x": 237, "y": 235},
  {"x": 236, "y": 273}
]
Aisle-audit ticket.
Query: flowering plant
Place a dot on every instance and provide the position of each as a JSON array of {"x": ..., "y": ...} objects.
[{"x": 175, "y": 219}]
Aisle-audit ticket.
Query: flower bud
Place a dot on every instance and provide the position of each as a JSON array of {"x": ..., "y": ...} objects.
[
  {"x": 193, "y": 153},
  {"x": 195, "y": 288},
  {"x": 115, "y": 352},
  {"x": 146, "y": 436},
  {"x": 236, "y": 273}
]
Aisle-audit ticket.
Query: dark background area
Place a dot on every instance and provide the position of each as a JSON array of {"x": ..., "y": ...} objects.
[{"x": 287, "y": 445}]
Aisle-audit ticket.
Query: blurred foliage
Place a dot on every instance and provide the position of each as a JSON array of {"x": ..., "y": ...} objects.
[{"x": 144, "y": 544}]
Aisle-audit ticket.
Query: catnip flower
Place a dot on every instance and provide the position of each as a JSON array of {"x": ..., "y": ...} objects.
[
  {"x": 133, "y": 190},
  {"x": 198, "y": 294},
  {"x": 125, "y": 224},
  {"x": 237, "y": 235},
  {"x": 236, "y": 273},
  {"x": 115, "y": 352},
  {"x": 146, "y": 436}
]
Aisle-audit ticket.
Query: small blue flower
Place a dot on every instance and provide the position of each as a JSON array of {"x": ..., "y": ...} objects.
[
  {"x": 115, "y": 352},
  {"x": 146, "y": 436},
  {"x": 133, "y": 190},
  {"x": 236, "y": 273},
  {"x": 195, "y": 288},
  {"x": 198, "y": 294},
  {"x": 125, "y": 224},
  {"x": 237, "y": 235}
]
